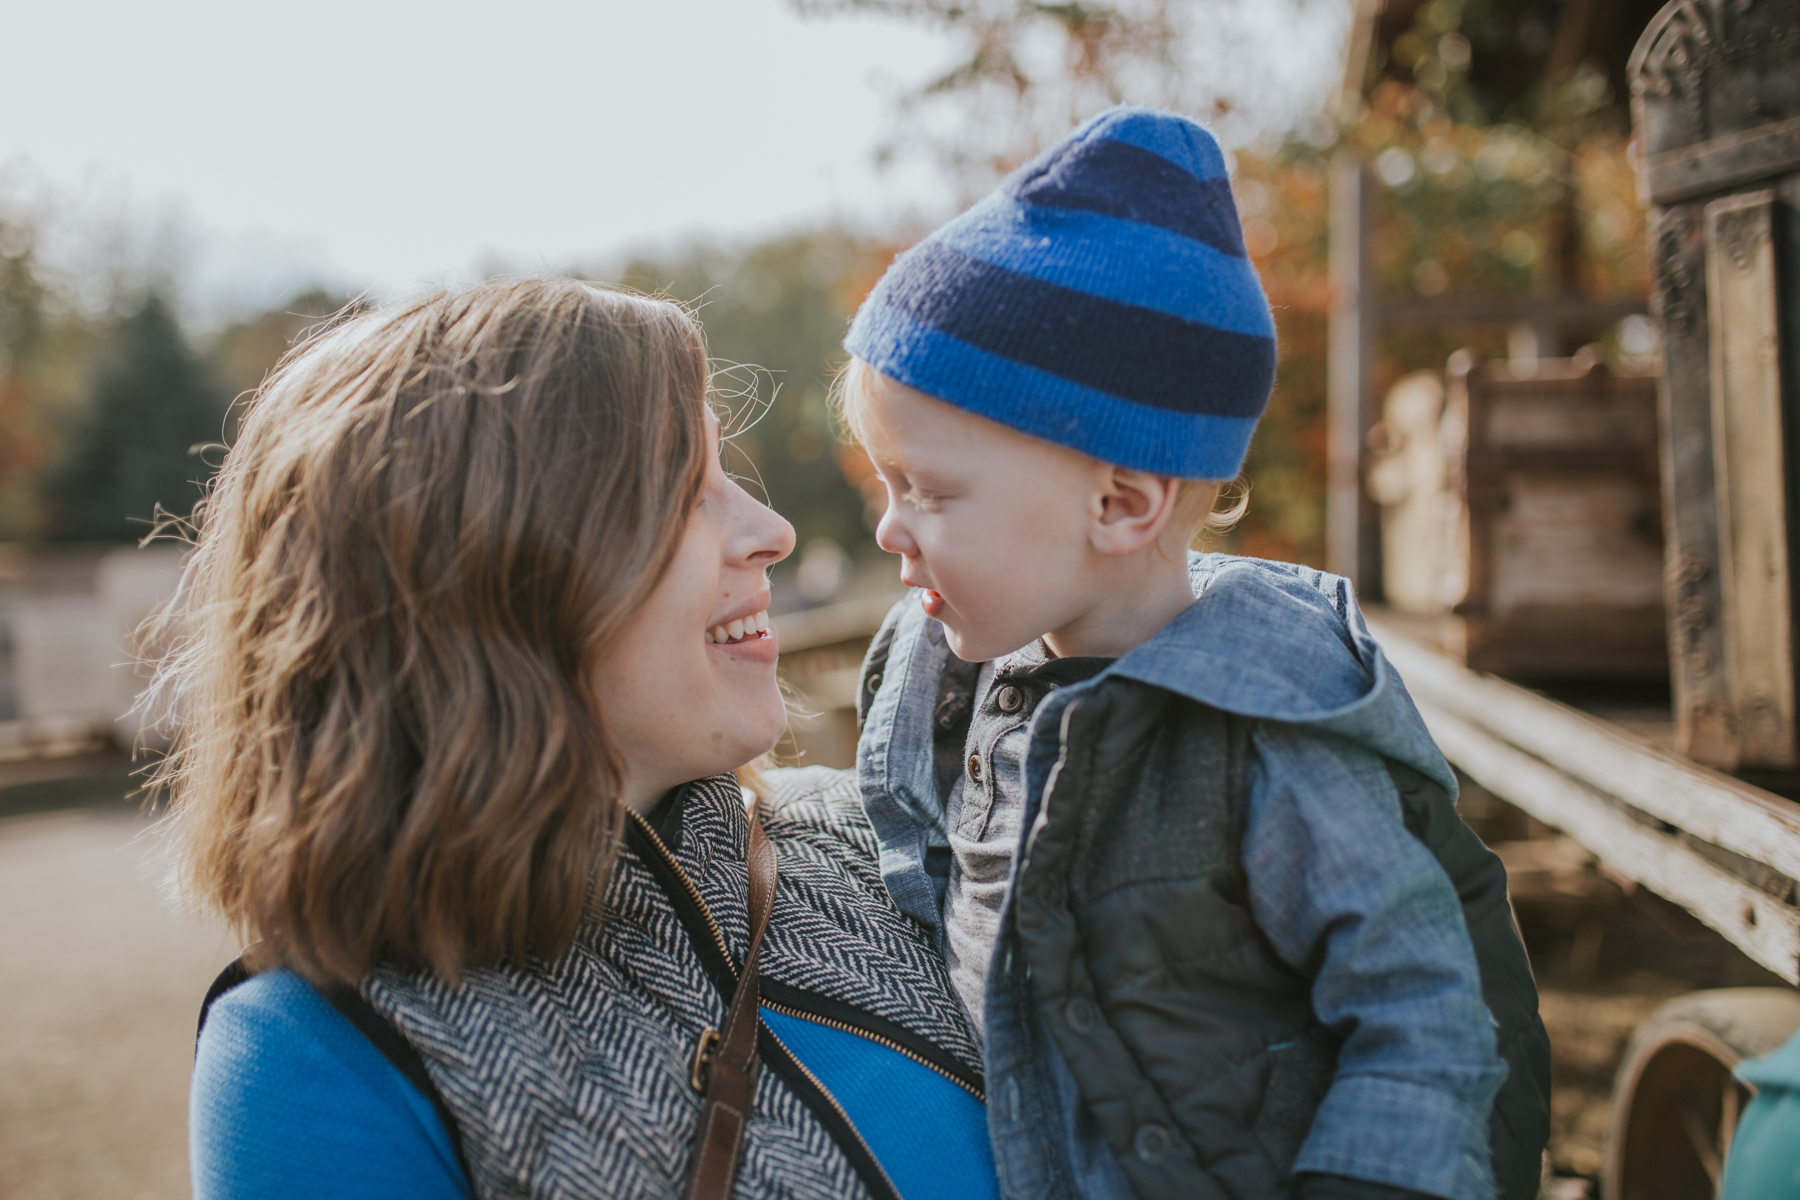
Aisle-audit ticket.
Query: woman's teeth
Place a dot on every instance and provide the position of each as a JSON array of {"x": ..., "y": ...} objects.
[{"x": 740, "y": 630}]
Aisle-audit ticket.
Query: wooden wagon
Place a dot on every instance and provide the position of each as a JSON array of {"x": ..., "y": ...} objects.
[{"x": 1559, "y": 522}]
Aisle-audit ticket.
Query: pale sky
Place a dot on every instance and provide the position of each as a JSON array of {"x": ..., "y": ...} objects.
[{"x": 392, "y": 143}]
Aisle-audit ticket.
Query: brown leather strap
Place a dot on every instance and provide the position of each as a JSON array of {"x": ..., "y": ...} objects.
[{"x": 731, "y": 1067}]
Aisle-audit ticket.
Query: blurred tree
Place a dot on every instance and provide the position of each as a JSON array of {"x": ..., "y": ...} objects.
[
  {"x": 1024, "y": 71},
  {"x": 23, "y": 336},
  {"x": 43, "y": 341},
  {"x": 775, "y": 315},
  {"x": 1490, "y": 61},
  {"x": 243, "y": 354},
  {"x": 136, "y": 447}
]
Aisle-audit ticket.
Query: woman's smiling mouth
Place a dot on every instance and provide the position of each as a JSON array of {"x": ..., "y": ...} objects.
[{"x": 744, "y": 629}]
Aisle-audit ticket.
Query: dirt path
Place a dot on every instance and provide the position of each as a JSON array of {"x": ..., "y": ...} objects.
[{"x": 99, "y": 985}]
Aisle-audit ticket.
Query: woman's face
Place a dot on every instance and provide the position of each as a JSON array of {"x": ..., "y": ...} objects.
[{"x": 689, "y": 687}]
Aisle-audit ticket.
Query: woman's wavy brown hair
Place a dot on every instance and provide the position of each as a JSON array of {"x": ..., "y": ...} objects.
[{"x": 433, "y": 520}]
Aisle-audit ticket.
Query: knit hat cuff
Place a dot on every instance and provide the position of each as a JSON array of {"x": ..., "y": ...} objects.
[{"x": 1048, "y": 406}]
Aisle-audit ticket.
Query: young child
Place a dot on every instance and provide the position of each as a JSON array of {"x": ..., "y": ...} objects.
[{"x": 1188, "y": 849}]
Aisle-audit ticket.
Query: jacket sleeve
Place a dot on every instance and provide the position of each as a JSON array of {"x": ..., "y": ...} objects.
[{"x": 1351, "y": 900}]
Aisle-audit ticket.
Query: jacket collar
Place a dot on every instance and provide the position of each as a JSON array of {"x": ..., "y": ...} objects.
[{"x": 1265, "y": 640}]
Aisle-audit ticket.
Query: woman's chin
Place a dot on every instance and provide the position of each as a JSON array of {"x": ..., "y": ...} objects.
[{"x": 755, "y": 728}]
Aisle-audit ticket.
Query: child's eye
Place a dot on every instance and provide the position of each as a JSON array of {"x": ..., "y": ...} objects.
[{"x": 927, "y": 501}]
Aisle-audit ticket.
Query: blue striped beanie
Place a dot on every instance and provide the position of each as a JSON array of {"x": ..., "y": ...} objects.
[{"x": 1100, "y": 298}]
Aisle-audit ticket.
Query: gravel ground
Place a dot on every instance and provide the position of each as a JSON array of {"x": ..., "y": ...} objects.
[
  {"x": 1602, "y": 971},
  {"x": 100, "y": 983},
  {"x": 1588, "y": 1034}
]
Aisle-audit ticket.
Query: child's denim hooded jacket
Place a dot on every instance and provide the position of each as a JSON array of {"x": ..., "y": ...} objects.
[{"x": 1233, "y": 948}]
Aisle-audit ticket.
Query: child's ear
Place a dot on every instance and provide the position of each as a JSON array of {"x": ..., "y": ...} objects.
[{"x": 1132, "y": 508}]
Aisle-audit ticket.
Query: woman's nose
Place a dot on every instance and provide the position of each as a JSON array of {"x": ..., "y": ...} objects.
[{"x": 764, "y": 537}]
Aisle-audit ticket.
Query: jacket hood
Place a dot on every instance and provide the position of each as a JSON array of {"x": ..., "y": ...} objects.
[{"x": 1280, "y": 642}]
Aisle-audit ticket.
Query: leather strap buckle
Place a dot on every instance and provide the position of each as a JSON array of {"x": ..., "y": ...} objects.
[{"x": 703, "y": 1050}]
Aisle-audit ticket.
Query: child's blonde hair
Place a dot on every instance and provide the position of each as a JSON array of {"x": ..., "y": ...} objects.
[{"x": 1197, "y": 511}]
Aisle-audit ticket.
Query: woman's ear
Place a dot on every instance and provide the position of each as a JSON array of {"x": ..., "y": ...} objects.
[{"x": 1133, "y": 507}]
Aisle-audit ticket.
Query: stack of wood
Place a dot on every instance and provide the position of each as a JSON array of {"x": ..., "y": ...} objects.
[{"x": 1521, "y": 516}]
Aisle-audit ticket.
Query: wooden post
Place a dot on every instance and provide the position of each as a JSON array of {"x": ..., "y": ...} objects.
[
  {"x": 1750, "y": 475},
  {"x": 1352, "y": 521},
  {"x": 1714, "y": 113}
]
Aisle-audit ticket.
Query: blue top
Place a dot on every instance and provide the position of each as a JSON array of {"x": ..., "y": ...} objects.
[
  {"x": 928, "y": 1134},
  {"x": 1342, "y": 890},
  {"x": 290, "y": 1101}
]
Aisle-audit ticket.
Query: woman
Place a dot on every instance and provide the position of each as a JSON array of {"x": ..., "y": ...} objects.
[{"x": 476, "y": 637}]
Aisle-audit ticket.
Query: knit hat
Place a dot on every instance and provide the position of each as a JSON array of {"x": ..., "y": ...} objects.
[{"x": 1099, "y": 298}]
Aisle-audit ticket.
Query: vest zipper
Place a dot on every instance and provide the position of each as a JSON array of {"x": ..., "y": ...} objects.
[
  {"x": 694, "y": 892},
  {"x": 762, "y": 1026},
  {"x": 789, "y": 1010},
  {"x": 833, "y": 1101}
]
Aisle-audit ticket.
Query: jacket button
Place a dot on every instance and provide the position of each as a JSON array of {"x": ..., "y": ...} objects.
[
  {"x": 1080, "y": 1015},
  {"x": 1011, "y": 699},
  {"x": 975, "y": 767},
  {"x": 1151, "y": 1143}
]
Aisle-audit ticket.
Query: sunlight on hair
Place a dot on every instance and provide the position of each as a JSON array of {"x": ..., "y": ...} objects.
[
  {"x": 849, "y": 389},
  {"x": 740, "y": 396}
]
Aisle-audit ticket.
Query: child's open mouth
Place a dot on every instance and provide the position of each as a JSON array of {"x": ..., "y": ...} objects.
[
  {"x": 746, "y": 629},
  {"x": 932, "y": 603}
]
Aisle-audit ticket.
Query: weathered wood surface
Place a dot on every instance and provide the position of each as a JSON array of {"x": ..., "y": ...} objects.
[
  {"x": 1352, "y": 523},
  {"x": 1762, "y": 926},
  {"x": 1524, "y": 508},
  {"x": 1709, "y": 69},
  {"x": 1750, "y": 474},
  {"x": 1723, "y": 162},
  {"x": 1715, "y": 107},
  {"x": 1649, "y": 816},
  {"x": 1566, "y": 311}
]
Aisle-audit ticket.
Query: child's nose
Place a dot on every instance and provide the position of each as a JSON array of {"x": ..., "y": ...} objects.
[{"x": 891, "y": 535}]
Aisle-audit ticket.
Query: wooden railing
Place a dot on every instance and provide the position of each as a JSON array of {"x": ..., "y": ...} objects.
[{"x": 1726, "y": 851}]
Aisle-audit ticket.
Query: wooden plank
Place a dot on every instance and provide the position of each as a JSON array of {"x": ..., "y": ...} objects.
[
  {"x": 1758, "y": 924},
  {"x": 1728, "y": 161},
  {"x": 1352, "y": 522},
  {"x": 1691, "y": 589},
  {"x": 1568, "y": 540},
  {"x": 847, "y": 620},
  {"x": 1749, "y": 469},
  {"x": 1716, "y": 808},
  {"x": 1713, "y": 105},
  {"x": 1469, "y": 310}
]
